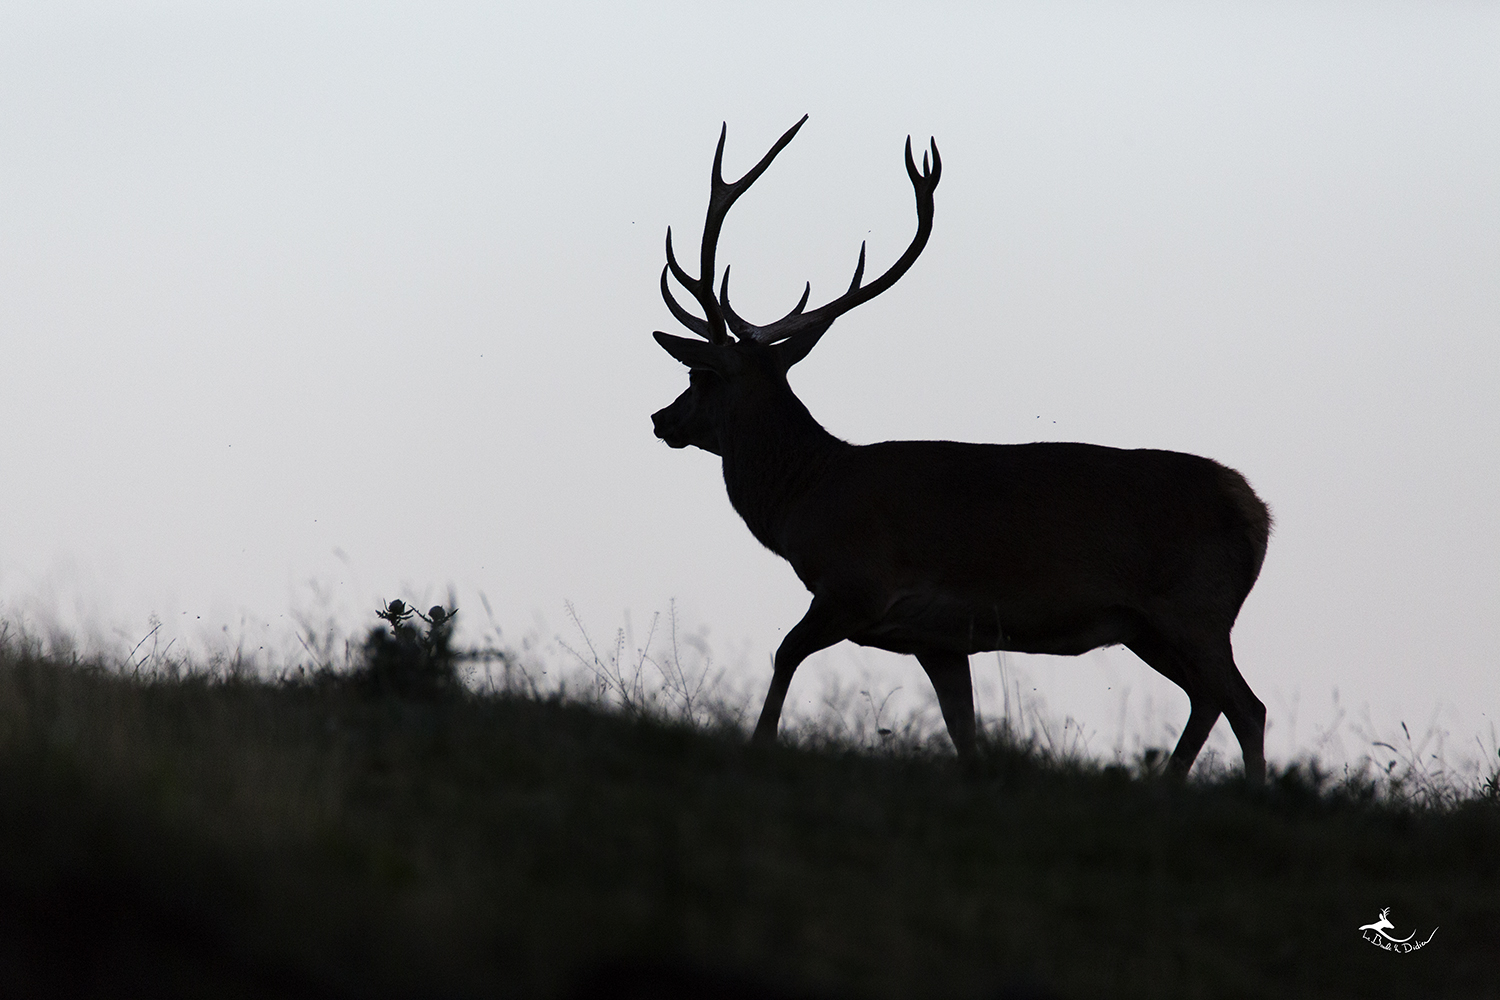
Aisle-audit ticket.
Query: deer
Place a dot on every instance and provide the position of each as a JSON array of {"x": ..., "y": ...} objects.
[
  {"x": 1384, "y": 924},
  {"x": 942, "y": 549}
]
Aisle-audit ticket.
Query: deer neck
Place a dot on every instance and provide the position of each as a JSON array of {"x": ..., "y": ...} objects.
[{"x": 773, "y": 454}]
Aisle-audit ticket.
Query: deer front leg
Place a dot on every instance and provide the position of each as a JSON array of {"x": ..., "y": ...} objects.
[
  {"x": 828, "y": 620},
  {"x": 949, "y": 673}
]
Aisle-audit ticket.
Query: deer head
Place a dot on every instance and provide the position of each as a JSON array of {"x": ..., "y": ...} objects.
[{"x": 736, "y": 358}]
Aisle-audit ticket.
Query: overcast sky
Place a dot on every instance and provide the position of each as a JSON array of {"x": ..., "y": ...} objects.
[{"x": 304, "y": 305}]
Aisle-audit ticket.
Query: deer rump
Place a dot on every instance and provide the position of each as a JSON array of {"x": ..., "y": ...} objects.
[{"x": 1033, "y": 548}]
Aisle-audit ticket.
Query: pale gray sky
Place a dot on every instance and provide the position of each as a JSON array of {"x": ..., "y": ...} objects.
[{"x": 356, "y": 299}]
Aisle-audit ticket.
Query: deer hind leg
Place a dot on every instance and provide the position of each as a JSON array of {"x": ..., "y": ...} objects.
[
  {"x": 828, "y": 620},
  {"x": 1163, "y": 657},
  {"x": 1247, "y": 716},
  {"x": 949, "y": 673},
  {"x": 1246, "y": 713},
  {"x": 1206, "y": 670}
]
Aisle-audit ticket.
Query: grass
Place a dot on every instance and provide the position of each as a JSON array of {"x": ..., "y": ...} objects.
[{"x": 205, "y": 833}]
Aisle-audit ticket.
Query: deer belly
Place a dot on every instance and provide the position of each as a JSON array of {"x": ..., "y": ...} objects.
[{"x": 916, "y": 623}]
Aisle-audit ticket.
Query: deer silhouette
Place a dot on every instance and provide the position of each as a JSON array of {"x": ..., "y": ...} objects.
[
  {"x": 940, "y": 549},
  {"x": 1382, "y": 925}
]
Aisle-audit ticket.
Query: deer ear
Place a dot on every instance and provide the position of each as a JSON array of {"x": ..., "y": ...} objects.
[
  {"x": 722, "y": 360},
  {"x": 796, "y": 347}
]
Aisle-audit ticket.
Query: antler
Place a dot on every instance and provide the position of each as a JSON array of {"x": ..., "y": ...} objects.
[
  {"x": 810, "y": 326},
  {"x": 721, "y": 197},
  {"x": 806, "y": 327}
]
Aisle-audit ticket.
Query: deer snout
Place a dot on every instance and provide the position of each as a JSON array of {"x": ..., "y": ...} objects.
[{"x": 664, "y": 426}]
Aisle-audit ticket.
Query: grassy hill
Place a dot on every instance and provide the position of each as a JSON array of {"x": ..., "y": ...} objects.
[{"x": 196, "y": 836}]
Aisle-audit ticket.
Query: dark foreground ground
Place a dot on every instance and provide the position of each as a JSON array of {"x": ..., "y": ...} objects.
[{"x": 179, "y": 838}]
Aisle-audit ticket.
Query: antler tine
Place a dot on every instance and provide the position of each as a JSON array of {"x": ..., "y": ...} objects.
[
  {"x": 712, "y": 327},
  {"x": 687, "y": 319},
  {"x": 737, "y": 325},
  {"x": 811, "y": 325},
  {"x": 859, "y": 269},
  {"x": 722, "y": 196}
]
